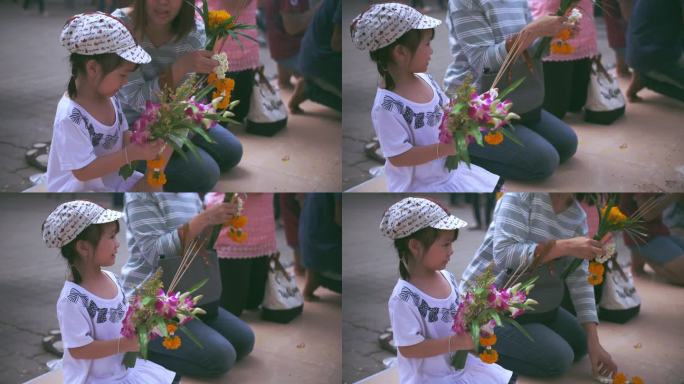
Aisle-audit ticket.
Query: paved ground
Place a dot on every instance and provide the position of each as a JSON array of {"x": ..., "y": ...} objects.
[
  {"x": 619, "y": 157},
  {"x": 649, "y": 345},
  {"x": 303, "y": 157},
  {"x": 32, "y": 276}
]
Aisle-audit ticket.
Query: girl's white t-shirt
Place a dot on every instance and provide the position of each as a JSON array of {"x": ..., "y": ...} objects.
[
  {"x": 402, "y": 124},
  {"x": 415, "y": 317},
  {"x": 77, "y": 140},
  {"x": 83, "y": 318}
]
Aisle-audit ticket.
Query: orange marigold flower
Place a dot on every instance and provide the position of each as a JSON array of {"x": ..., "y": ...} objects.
[
  {"x": 488, "y": 341},
  {"x": 596, "y": 268},
  {"x": 489, "y": 356},
  {"x": 171, "y": 328},
  {"x": 156, "y": 179},
  {"x": 564, "y": 34},
  {"x": 172, "y": 342},
  {"x": 494, "y": 138},
  {"x": 238, "y": 221},
  {"x": 237, "y": 235},
  {"x": 615, "y": 216},
  {"x": 637, "y": 380},
  {"x": 595, "y": 279},
  {"x": 216, "y": 18},
  {"x": 156, "y": 163},
  {"x": 619, "y": 378}
]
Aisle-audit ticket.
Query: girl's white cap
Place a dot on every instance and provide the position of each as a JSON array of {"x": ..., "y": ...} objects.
[
  {"x": 384, "y": 23},
  {"x": 97, "y": 33},
  {"x": 71, "y": 218},
  {"x": 412, "y": 214}
]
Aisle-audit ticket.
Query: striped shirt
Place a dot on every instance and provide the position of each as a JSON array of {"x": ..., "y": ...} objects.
[
  {"x": 143, "y": 84},
  {"x": 152, "y": 220},
  {"x": 521, "y": 220},
  {"x": 477, "y": 36}
]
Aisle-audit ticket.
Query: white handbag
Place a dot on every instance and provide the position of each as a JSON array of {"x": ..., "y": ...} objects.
[
  {"x": 619, "y": 300},
  {"x": 282, "y": 299},
  {"x": 605, "y": 102},
  {"x": 267, "y": 112}
]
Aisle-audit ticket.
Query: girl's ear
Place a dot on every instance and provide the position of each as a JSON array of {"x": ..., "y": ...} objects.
[
  {"x": 415, "y": 247},
  {"x": 84, "y": 248},
  {"x": 399, "y": 53},
  {"x": 93, "y": 69}
]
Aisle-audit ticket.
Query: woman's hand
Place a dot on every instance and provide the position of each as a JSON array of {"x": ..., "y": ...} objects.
[
  {"x": 220, "y": 213},
  {"x": 547, "y": 25},
  {"x": 580, "y": 247},
  {"x": 601, "y": 361},
  {"x": 197, "y": 62}
]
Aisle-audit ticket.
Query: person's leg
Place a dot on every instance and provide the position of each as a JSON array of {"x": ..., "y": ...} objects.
[
  {"x": 535, "y": 159},
  {"x": 667, "y": 79},
  {"x": 558, "y": 83},
  {"x": 476, "y": 211},
  {"x": 313, "y": 281},
  {"x": 192, "y": 173},
  {"x": 236, "y": 331},
  {"x": 616, "y": 27},
  {"x": 581, "y": 70},
  {"x": 215, "y": 357},
  {"x": 226, "y": 150},
  {"x": 489, "y": 208},
  {"x": 560, "y": 135},
  {"x": 548, "y": 355},
  {"x": 323, "y": 93},
  {"x": 257, "y": 281},
  {"x": 567, "y": 327},
  {"x": 235, "y": 275},
  {"x": 665, "y": 254}
]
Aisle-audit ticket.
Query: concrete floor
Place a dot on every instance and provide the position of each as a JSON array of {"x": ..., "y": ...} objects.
[
  {"x": 649, "y": 345},
  {"x": 305, "y": 156},
  {"x": 640, "y": 152},
  {"x": 307, "y": 350}
]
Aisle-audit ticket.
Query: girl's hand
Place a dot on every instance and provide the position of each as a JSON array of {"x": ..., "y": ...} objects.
[
  {"x": 582, "y": 247},
  {"x": 197, "y": 61},
  {"x": 601, "y": 361},
  {"x": 462, "y": 342},
  {"x": 128, "y": 345},
  {"x": 446, "y": 149},
  {"x": 220, "y": 213},
  {"x": 147, "y": 151}
]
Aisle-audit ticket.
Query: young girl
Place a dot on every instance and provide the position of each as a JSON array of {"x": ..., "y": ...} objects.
[
  {"x": 88, "y": 144},
  {"x": 408, "y": 110},
  {"x": 425, "y": 298},
  {"x": 91, "y": 307}
]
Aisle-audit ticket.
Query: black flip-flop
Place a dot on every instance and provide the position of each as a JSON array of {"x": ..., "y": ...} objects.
[
  {"x": 374, "y": 151},
  {"x": 37, "y": 155},
  {"x": 53, "y": 343}
]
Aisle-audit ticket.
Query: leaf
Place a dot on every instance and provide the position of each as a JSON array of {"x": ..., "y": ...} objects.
[
  {"x": 198, "y": 285},
  {"x": 161, "y": 325},
  {"x": 143, "y": 339},
  {"x": 511, "y": 88},
  {"x": 191, "y": 336},
  {"x": 518, "y": 327},
  {"x": 452, "y": 162},
  {"x": 129, "y": 359},
  {"x": 126, "y": 171},
  {"x": 511, "y": 136},
  {"x": 475, "y": 333},
  {"x": 496, "y": 318},
  {"x": 459, "y": 359},
  {"x": 147, "y": 300}
]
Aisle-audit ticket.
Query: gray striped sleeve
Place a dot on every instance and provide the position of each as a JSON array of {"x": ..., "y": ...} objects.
[
  {"x": 511, "y": 246},
  {"x": 581, "y": 292},
  {"x": 147, "y": 227}
]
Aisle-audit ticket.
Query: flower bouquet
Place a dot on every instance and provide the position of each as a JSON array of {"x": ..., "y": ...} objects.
[
  {"x": 485, "y": 306},
  {"x": 470, "y": 118},
  {"x": 219, "y": 24},
  {"x": 235, "y": 225},
  {"x": 611, "y": 219},
  {"x": 573, "y": 17},
  {"x": 178, "y": 114},
  {"x": 154, "y": 313}
]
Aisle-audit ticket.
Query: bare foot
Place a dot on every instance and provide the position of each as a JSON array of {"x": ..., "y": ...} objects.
[
  {"x": 310, "y": 297},
  {"x": 634, "y": 87},
  {"x": 624, "y": 71},
  {"x": 298, "y": 97}
]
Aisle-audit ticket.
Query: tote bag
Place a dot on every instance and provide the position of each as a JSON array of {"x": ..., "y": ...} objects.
[
  {"x": 618, "y": 299},
  {"x": 605, "y": 102},
  {"x": 282, "y": 299},
  {"x": 267, "y": 112}
]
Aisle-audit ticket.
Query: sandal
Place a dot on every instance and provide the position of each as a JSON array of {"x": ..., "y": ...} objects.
[
  {"x": 374, "y": 151},
  {"x": 386, "y": 341},
  {"x": 37, "y": 156},
  {"x": 53, "y": 343}
]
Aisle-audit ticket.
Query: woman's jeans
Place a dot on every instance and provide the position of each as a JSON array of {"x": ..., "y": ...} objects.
[
  {"x": 546, "y": 142},
  {"x": 224, "y": 338},
  {"x": 200, "y": 174},
  {"x": 559, "y": 341}
]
